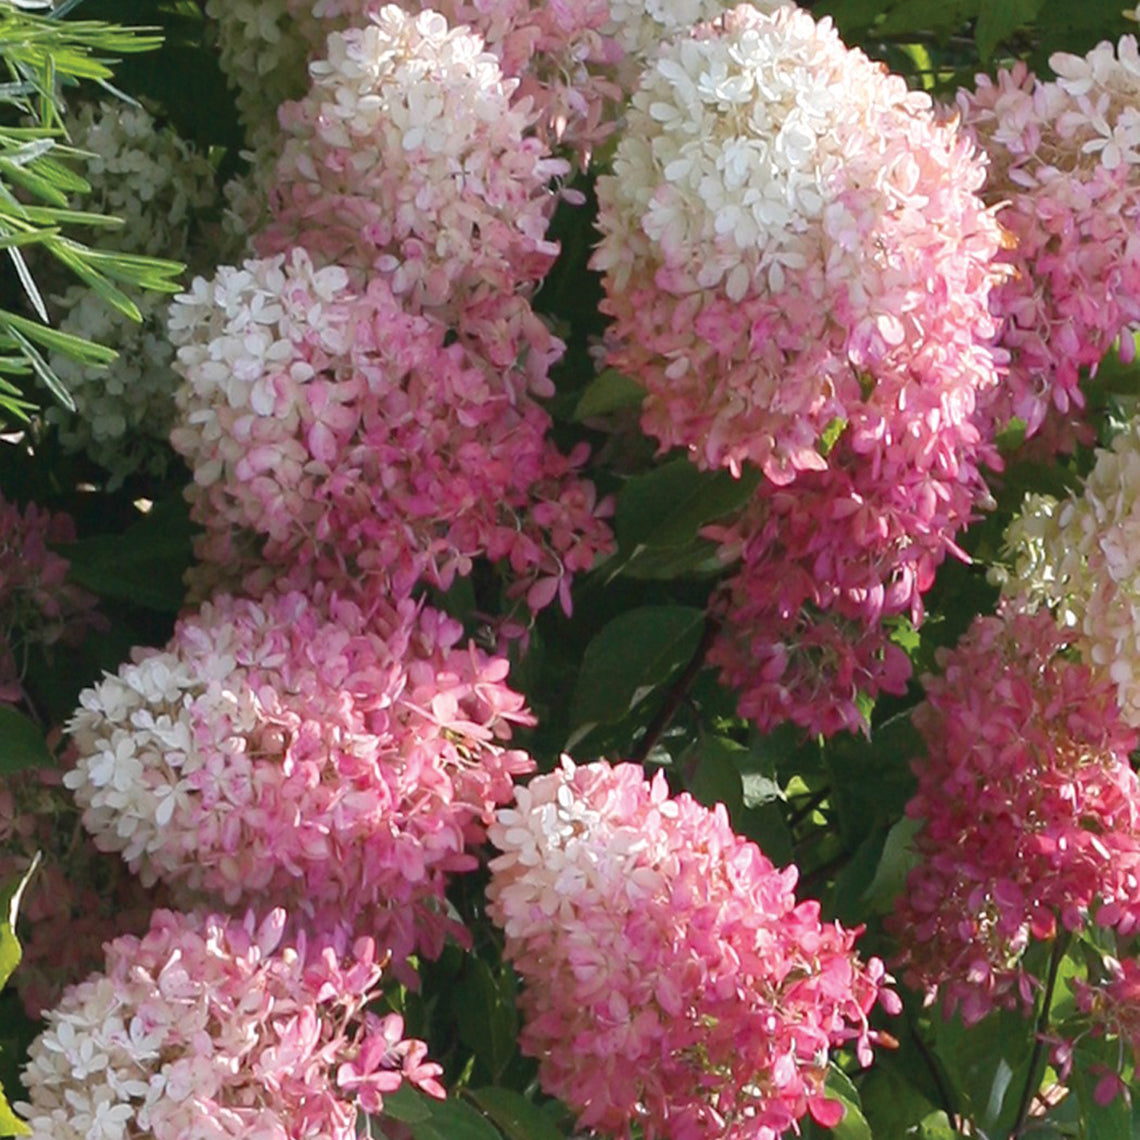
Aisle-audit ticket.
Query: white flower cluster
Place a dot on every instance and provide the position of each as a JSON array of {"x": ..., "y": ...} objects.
[
  {"x": 124, "y": 412},
  {"x": 731, "y": 146},
  {"x": 134, "y": 732},
  {"x": 1105, "y": 88},
  {"x": 263, "y": 47},
  {"x": 158, "y": 184},
  {"x": 143, "y": 173},
  {"x": 640, "y": 26},
  {"x": 1081, "y": 556},
  {"x": 93, "y": 1065},
  {"x": 246, "y": 341}
]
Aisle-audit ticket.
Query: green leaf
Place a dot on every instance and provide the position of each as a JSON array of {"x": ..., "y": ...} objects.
[
  {"x": 454, "y": 1119},
  {"x": 895, "y": 864},
  {"x": 939, "y": 16},
  {"x": 22, "y": 744},
  {"x": 1092, "y": 1058},
  {"x": 638, "y": 651},
  {"x": 487, "y": 1021},
  {"x": 517, "y": 1117},
  {"x": 988, "y": 1064},
  {"x": 716, "y": 777},
  {"x": 668, "y": 505},
  {"x": 144, "y": 565},
  {"x": 408, "y": 1105},
  {"x": 609, "y": 392},
  {"x": 999, "y": 19},
  {"x": 10, "y": 898}
]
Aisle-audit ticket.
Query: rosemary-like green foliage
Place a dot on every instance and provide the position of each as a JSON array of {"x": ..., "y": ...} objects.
[{"x": 40, "y": 54}]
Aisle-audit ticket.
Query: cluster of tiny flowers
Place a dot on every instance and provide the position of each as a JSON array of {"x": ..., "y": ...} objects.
[
  {"x": 38, "y": 606},
  {"x": 1030, "y": 815},
  {"x": 212, "y": 1028},
  {"x": 263, "y": 49},
  {"x": 408, "y": 158},
  {"x": 159, "y": 185},
  {"x": 339, "y": 760},
  {"x": 124, "y": 412},
  {"x": 143, "y": 173},
  {"x": 1081, "y": 557},
  {"x": 1063, "y": 155},
  {"x": 323, "y": 419},
  {"x": 793, "y": 240},
  {"x": 77, "y": 899},
  {"x": 670, "y": 978}
]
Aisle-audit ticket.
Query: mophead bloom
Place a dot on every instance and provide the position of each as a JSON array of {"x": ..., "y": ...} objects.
[
  {"x": 1029, "y": 811},
  {"x": 671, "y": 980},
  {"x": 338, "y": 759},
  {"x": 792, "y": 240},
  {"x": 220, "y": 1029}
]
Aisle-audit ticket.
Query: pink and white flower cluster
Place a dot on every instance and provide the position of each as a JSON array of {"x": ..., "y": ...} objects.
[
  {"x": 215, "y": 1028},
  {"x": 337, "y": 760},
  {"x": 1080, "y": 556},
  {"x": 409, "y": 158},
  {"x": 1030, "y": 814},
  {"x": 1064, "y": 158},
  {"x": 671, "y": 979},
  {"x": 798, "y": 262},
  {"x": 346, "y": 433},
  {"x": 38, "y": 605}
]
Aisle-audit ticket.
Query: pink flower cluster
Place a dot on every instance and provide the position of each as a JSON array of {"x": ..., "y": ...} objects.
[
  {"x": 798, "y": 262},
  {"x": 38, "y": 606},
  {"x": 1030, "y": 814},
  {"x": 310, "y": 752},
  {"x": 1064, "y": 158},
  {"x": 212, "y": 1028},
  {"x": 671, "y": 979},
  {"x": 77, "y": 899},
  {"x": 347, "y": 433}
]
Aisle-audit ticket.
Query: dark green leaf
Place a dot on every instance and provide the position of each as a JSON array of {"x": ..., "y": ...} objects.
[
  {"x": 636, "y": 653},
  {"x": 487, "y": 1020},
  {"x": 454, "y": 1119},
  {"x": 517, "y": 1117},
  {"x": 143, "y": 566},
  {"x": 668, "y": 505},
  {"x": 998, "y": 19},
  {"x": 22, "y": 744},
  {"x": 607, "y": 393}
]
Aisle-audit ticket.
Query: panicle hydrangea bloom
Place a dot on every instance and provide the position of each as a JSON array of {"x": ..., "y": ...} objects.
[
  {"x": 824, "y": 563},
  {"x": 38, "y": 606},
  {"x": 159, "y": 185},
  {"x": 211, "y": 1027},
  {"x": 1081, "y": 556},
  {"x": 263, "y": 49},
  {"x": 124, "y": 412},
  {"x": 1065, "y": 160},
  {"x": 409, "y": 158},
  {"x": 338, "y": 759},
  {"x": 78, "y": 898},
  {"x": 144, "y": 173},
  {"x": 325, "y": 420},
  {"x": 670, "y": 977},
  {"x": 793, "y": 240},
  {"x": 1030, "y": 814}
]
